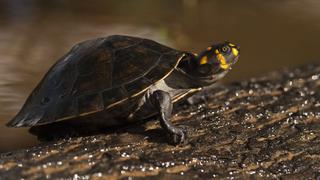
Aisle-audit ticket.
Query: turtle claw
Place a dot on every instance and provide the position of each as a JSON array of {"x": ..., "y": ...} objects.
[{"x": 179, "y": 136}]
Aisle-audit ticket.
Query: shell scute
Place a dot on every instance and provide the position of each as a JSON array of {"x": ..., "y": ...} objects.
[{"x": 90, "y": 103}]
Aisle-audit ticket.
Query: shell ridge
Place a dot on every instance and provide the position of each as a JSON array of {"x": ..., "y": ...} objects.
[{"x": 132, "y": 45}]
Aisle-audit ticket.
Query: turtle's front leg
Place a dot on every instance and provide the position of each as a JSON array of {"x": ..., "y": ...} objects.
[{"x": 161, "y": 100}]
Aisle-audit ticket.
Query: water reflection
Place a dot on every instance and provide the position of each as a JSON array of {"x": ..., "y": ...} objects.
[{"x": 35, "y": 33}]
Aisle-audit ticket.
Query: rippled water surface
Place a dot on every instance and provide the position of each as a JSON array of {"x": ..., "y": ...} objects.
[{"x": 34, "y": 34}]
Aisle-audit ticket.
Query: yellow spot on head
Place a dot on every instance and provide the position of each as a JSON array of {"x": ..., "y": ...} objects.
[
  {"x": 232, "y": 45},
  {"x": 209, "y": 48},
  {"x": 224, "y": 66},
  {"x": 223, "y": 63},
  {"x": 204, "y": 60},
  {"x": 217, "y": 51},
  {"x": 195, "y": 54},
  {"x": 235, "y": 51}
]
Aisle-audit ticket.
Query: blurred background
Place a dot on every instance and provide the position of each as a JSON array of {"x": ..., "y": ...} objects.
[{"x": 35, "y": 33}]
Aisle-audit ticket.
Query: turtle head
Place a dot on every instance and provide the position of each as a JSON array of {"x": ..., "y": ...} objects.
[{"x": 214, "y": 62}]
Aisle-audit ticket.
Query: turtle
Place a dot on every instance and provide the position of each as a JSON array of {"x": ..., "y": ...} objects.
[{"x": 119, "y": 79}]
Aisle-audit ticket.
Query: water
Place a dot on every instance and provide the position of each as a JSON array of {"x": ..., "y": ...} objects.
[{"x": 34, "y": 34}]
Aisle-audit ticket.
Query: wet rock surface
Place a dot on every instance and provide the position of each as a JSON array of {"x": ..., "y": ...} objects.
[{"x": 266, "y": 127}]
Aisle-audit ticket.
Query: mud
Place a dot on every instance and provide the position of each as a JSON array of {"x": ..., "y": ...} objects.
[{"x": 266, "y": 127}]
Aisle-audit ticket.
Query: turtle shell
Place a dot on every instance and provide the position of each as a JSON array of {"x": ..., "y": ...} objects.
[{"x": 96, "y": 75}]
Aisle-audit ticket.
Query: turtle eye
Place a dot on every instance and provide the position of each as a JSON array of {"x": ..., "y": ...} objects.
[{"x": 225, "y": 49}]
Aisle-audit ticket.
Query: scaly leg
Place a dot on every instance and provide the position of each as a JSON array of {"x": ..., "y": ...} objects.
[{"x": 162, "y": 102}]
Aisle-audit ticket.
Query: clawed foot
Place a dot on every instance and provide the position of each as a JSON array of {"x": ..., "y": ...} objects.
[{"x": 178, "y": 136}]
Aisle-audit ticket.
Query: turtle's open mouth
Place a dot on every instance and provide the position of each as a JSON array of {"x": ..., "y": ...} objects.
[{"x": 236, "y": 59}]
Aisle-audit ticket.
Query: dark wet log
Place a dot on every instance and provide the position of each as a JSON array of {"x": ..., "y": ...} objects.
[{"x": 263, "y": 127}]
